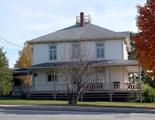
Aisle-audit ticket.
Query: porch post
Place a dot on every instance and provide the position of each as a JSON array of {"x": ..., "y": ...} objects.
[
  {"x": 81, "y": 96},
  {"x": 54, "y": 95},
  {"x": 33, "y": 80},
  {"x": 110, "y": 93},
  {"x": 28, "y": 87},
  {"x": 140, "y": 85}
]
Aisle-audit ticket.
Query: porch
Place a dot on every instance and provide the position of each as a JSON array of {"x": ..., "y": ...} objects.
[
  {"x": 93, "y": 92},
  {"x": 115, "y": 82},
  {"x": 97, "y": 87}
]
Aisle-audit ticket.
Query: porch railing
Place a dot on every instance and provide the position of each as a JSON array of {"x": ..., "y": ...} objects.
[
  {"x": 91, "y": 87},
  {"x": 132, "y": 86},
  {"x": 95, "y": 87}
]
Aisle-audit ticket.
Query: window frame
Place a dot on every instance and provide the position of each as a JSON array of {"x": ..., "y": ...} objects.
[
  {"x": 103, "y": 47},
  {"x": 50, "y": 52},
  {"x": 78, "y": 50},
  {"x": 53, "y": 76}
]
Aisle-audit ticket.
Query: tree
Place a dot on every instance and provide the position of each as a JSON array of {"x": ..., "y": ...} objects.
[
  {"x": 145, "y": 39},
  {"x": 25, "y": 60},
  {"x": 77, "y": 77},
  {"x": 146, "y": 79},
  {"x": 77, "y": 74},
  {"x": 132, "y": 55},
  {"x": 5, "y": 75},
  {"x": 25, "y": 57}
]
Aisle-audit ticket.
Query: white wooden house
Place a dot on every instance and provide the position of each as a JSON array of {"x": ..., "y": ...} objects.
[{"x": 110, "y": 49}]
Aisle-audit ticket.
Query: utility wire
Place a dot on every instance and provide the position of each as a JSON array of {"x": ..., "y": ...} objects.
[
  {"x": 11, "y": 50},
  {"x": 10, "y": 42}
]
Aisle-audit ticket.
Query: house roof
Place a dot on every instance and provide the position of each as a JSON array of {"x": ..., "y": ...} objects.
[{"x": 76, "y": 33}]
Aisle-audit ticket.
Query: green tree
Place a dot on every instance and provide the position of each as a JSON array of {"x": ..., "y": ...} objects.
[
  {"x": 132, "y": 54},
  {"x": 5, "y": 75}
]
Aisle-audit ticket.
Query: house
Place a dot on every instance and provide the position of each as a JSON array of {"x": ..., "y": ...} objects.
[{"x": 103, "y": 47}]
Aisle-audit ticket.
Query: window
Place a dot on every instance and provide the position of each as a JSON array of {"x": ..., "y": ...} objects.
[
  {"x": 53, "y": 52},
  {"x": 52, "y": 77},
  {"x": 116, "y": 85},
  {"x": 75, "y": 50},
  {"x": 35, "y": 75},
  {"x": 100, "y": 50}
]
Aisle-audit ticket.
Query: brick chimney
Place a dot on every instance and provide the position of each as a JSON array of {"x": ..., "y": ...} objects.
[{"x": 82, "y": 21}]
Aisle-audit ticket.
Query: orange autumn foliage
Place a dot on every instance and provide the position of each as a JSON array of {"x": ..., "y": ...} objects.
[
  {"x": 145, "y": 39},
  {"x": 25, "y": 60},
  {"x": 25, "y": 57}
]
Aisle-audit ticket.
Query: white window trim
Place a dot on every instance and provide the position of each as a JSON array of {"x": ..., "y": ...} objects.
[
  {"x": 73, "y": 48},
  {"x": 101, "y": 58},
  {"x": 49, "y": 53},
  {"x": 55, "y": 74}
]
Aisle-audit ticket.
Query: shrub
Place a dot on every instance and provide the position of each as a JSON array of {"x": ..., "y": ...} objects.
[{"x": 148, "y": 93}]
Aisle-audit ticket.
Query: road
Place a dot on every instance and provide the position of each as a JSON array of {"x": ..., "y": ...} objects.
[{"x": 15, "y": 114}]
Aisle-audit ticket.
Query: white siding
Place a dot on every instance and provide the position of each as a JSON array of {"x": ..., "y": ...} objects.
[
  {"x": 42, "y": 84},
  {"x": 89, "y": 49},
  {"x": 114, "y": 74},
  {"x": 125, "y": 52},
  {"x": 113, "y": 50},
  {"x": 40, "y": 53}
]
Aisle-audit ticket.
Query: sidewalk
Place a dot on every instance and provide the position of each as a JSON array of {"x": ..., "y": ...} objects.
[{"x": 79, "y": 109}]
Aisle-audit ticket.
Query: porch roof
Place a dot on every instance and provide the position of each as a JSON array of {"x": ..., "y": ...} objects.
[
  {"x": 131, "y": 65},
  {"x": 119, "y": 63},
  {"x": 20, "y": 72},
  {"x": 106, "y": 63}
]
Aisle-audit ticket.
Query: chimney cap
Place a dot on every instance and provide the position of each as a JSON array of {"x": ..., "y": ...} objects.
[{"x": 81, "y": 13}]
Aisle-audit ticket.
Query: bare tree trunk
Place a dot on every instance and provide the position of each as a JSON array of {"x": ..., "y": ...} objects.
[{"x": 72, "y": 98}]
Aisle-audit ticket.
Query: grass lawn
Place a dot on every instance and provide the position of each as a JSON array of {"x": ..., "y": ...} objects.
[
  {"x": 54, "y": 102},
  {"x": 31, "y": 102},
  {"x": 118, "y": 104}
]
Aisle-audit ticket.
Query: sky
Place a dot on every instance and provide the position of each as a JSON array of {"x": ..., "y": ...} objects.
[{"x": 23, "y": 20}]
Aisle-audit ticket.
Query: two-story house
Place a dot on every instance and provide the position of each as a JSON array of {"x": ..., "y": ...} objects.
[{"x": 110, "y": 50}]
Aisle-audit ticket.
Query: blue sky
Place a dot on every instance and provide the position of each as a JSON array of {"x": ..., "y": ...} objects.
[{"x": 22, "y": 20}]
